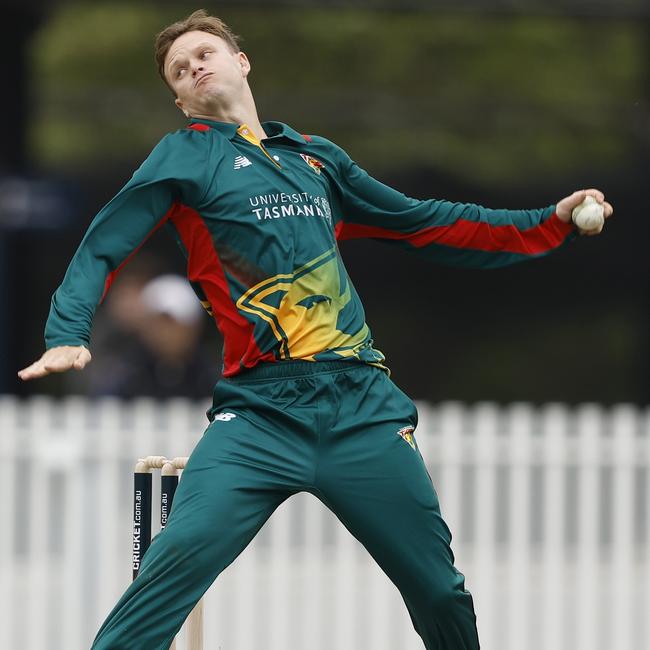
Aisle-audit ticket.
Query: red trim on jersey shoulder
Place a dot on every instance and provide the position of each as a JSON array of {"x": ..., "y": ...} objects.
[
  {"x": 307, "y": 137},
  {"x": 199, "y": 127},
  {"x": 113, "y": 274},
  {"x": 204, "y": 267},
  {"x": 475, "y": 235}
]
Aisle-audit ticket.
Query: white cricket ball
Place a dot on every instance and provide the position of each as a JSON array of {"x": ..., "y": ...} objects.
[{"x": 589, "y": 215}]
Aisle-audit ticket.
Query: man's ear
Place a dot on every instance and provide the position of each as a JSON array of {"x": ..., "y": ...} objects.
[
  {"x": 244, "y": 63},
  {"x": 179, "y": 104}
]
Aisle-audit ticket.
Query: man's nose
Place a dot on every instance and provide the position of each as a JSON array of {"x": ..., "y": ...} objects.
[{"x": 196, "y": 70}]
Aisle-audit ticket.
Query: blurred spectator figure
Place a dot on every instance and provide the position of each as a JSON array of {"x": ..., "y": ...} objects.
[
  {"x": 177, "y": 363},
  {"x": 153, "y": 345}
]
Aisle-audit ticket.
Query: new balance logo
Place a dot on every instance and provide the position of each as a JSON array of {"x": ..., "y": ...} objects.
[
  {"x": 241, "y": 161},
  {"x": 225, "y": 417}
]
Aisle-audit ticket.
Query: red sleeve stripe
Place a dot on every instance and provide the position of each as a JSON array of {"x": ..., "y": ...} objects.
[
  {"x": 199, "y": 127},
  {"x": 204, "y": 267},
  {"x": 474, "y": 235},
  {"x": 113, "y": 274}
]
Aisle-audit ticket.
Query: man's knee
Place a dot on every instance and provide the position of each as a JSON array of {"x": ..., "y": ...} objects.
[
  {"x": 441, "y": 596},
  {"x": 177, "y": 546},
  {"x": 443, "y": 615}
]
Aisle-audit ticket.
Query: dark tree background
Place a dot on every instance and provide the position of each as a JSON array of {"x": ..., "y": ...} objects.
[{"x": 512, "y": 108}]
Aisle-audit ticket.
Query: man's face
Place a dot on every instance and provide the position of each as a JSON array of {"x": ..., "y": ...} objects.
[{"x": 205, "y": 73}]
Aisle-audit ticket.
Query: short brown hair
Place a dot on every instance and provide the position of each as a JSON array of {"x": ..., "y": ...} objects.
[{"x": 200, "y": 21}]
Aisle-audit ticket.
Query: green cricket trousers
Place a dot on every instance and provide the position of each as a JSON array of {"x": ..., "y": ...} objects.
[{"x": 339, "y": 430}]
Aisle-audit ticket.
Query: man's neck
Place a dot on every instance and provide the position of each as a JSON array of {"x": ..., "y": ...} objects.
[
  {"x": 251, "y": 121},
  {"x": 244, "y": 113}
]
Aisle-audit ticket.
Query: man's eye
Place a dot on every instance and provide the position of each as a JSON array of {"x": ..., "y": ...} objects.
[
  {"x": 179, "y": 72},
  {"x": 205, "y": 53}
]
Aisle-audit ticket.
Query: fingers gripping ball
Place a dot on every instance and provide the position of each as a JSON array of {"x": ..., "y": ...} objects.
[{"x": 589, "y": 215}]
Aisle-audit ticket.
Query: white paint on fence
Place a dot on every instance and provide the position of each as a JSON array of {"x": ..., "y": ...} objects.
[{"x": 550, "y": 510}]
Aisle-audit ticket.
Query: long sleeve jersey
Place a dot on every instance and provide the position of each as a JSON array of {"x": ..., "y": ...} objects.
[{"x": 259, "y": 224}]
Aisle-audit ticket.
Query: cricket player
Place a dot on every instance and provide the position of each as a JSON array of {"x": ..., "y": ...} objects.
[{"x": 306, "y": 402}]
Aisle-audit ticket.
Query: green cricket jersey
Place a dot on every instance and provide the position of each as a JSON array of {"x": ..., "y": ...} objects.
[{"x": 259, "y": 224}]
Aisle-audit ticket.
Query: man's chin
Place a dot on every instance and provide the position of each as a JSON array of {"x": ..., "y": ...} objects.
[
  {"x": 209, "y": 92},
  {"x": 211, "y": 104}
]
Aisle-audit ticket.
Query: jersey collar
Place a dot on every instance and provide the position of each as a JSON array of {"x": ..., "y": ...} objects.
[{"x": 274, "y": 130}]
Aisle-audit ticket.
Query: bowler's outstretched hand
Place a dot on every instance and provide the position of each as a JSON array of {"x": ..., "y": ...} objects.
[
  {"x": 565, "y": 207},
  {"x": 59, "y": 359}
]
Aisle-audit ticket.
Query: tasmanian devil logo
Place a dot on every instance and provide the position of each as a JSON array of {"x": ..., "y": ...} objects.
[
  {"x": 407, "y": 434},
  {"x": 316, "y": 165},
  {"x": 303, "y": 309}
]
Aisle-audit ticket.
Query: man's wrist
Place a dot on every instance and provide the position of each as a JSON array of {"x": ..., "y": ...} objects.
[{"x": 66, "y": 343}]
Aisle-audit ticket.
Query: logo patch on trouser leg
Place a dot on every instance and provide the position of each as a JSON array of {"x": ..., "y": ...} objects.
[{"x": 407, "y": 434}]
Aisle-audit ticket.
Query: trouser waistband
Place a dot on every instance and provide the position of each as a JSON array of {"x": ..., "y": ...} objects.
[{"x": 292, "y": 369}]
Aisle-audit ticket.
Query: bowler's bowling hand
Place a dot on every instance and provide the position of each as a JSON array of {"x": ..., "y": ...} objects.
[
  {"x": 59, "y": 359},
  {"x": 564, "y": 208}
]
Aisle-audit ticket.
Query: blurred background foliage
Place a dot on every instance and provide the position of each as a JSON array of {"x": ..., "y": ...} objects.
[
  {"x": 496, "y": 99},
  {"x": 506, "y": 104}
]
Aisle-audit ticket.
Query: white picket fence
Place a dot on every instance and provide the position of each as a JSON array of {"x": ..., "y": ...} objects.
[{"x": 550, "y": 510}]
